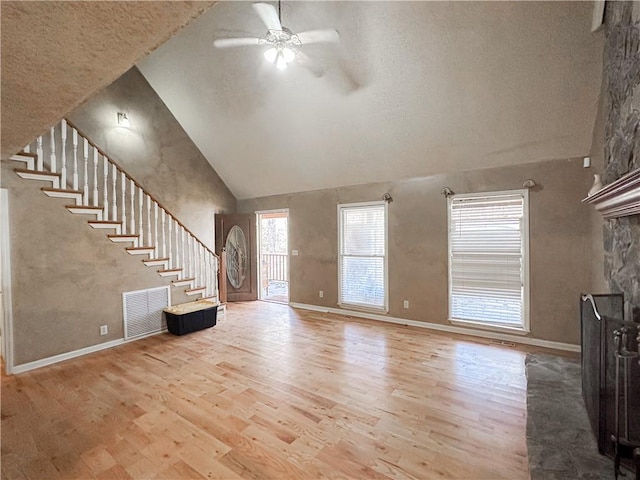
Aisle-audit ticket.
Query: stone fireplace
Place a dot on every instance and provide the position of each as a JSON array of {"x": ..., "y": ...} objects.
[{"x": 622, "y": 147}]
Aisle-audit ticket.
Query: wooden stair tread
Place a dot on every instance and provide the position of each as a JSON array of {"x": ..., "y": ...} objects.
[
  {"x": 104, "y": 222},
  {"x": 196, "y": 289},
  {"x": 156, "y": 260},
  {"x": 170, "y": 269},
  {"x": 89, "y": 207},
  {"x": 143, "y": 248},
  {"x": 123, "y": 235},
  {"x": 190, "y": 279},
  {"x": 62, "y": 190},
  {"x": 27, "y": 154},
  {"x": 36, "y": 172}
]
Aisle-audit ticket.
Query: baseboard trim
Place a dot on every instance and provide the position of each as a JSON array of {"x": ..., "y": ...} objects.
[
  {"x": 568, "y": 347},
  {"x": 44, "y": 362}
]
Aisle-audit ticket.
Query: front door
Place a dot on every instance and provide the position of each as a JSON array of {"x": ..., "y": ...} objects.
[{"x": 236, "y": 234}]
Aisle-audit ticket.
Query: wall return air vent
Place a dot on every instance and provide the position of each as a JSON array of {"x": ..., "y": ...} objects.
[{"x": 142, "y": 310}]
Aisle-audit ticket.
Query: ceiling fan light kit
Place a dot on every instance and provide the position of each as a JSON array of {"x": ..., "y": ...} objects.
[{"x": 284, "y": 45}]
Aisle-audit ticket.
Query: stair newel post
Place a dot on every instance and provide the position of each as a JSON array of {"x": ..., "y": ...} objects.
[
  {"x": 40, "y": 153},
  {"x": 164, "y": 243},
  {"x": 95, "y": 177},
  {"x": 74, "y": 139},
  {"x": 171, "y": 259},
  {"x": 105, "y": 171},
  {"x": 140, "y": 219},
  {"x": 156, "y": 244},
  {"x": 123, "y": 186},
  {"x": 63, "y": 169},
  {"x": 85, "y": 191},
  {"x": 132, "y": 194},
  {"x": 52, "y": 151}
]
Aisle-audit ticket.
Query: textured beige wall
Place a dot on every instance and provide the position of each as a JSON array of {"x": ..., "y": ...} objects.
[
  {"x": 156, "y": 151},
  {"x": 560, "y": 241},
  {"x": 67, "y": 278}
]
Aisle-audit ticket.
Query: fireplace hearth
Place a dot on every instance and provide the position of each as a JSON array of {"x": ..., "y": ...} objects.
[{"x": 611, "y": 378}]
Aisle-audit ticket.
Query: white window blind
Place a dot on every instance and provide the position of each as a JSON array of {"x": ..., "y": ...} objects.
[
  {"x": 362, "y": 277},
  {"x": 488, "y": 258}
]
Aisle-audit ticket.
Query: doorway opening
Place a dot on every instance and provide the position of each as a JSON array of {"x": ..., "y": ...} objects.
[{"x": 273, "y": 255}]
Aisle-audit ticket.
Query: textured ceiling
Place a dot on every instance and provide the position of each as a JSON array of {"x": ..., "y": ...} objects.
[
  {"x": 415, "y": 88},
  {"x": 55, "y": 54}
]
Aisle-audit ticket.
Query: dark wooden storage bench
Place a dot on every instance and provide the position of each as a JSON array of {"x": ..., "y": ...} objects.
[{"x": 191, "y": 317}]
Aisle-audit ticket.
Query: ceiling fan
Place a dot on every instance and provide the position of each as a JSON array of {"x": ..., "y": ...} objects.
[{"x": 285, "y": 46}]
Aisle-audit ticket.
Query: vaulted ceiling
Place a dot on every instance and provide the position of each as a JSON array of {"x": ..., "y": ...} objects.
[{"x": 414, "y": 88}]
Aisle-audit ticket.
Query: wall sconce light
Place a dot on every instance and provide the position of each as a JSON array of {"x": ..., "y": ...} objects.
[
  {"x": 529, "y": 183},
  {"x": 447, "y": 192},
  {"x": 123, "y": 120}
]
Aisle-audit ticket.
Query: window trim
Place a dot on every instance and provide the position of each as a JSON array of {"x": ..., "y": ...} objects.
[
  {"x": 359, "y": 306},
  {"x": 525, "y": 328}
]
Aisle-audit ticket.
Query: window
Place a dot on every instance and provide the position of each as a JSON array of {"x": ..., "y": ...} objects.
[
  {"x": 488, "y": 259},
  {"x": 362, "y": 259}
]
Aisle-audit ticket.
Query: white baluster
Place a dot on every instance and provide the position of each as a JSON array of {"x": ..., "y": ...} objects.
[
  {"x": 140, "y": 219},
  {"x": 164, "y": 243},
  {"x": 155, "y": 230},
  {"x": 40, "y": 153},
  {"x": 171, "y": 259},
  {"x": 114, "y": 181},
  {"x": 105, "y": 171},
  {"x": 74, "y": 137},
  {"x": 184, "y": 265},
  {"x": 177, "y": 247},
  {"x": 123, "y": 186},
  {"x": 177, "y": 251},
  {"x": 132, "y": 192},
  {"x": 149, "y": 238},
  {"x": 63, "y": 170},
  {"x": 95, "y": 177},
  {"x": 85, "y": 194},
  {"x": 52, "y": 151}
]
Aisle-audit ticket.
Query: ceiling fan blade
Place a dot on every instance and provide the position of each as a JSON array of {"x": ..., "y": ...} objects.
[
  {"x": 314, "y": 67},
  {"x": 319, "y": 36},
  {"x": 268, "y": 15},
  {"x": 235, "y": 42}
]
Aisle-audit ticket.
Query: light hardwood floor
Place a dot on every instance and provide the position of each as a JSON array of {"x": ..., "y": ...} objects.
[{"x": 273, "y": 392}]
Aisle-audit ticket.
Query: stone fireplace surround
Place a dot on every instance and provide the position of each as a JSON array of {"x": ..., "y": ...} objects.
[{"x": 622, "y": 154}]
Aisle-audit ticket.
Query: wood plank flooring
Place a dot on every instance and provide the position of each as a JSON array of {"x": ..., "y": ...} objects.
[{"x": 273, "y": 392}]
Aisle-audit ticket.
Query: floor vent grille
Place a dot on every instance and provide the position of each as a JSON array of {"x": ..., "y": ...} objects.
[{"x": 143, "y": 311}]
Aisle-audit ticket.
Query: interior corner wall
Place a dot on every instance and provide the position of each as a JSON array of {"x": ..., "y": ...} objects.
[
  {"x": 596, "y": 256},
  {"x": 67, "y": 278},
  {"x": 560, "y": 241},
  {"x": 157, "y": 152}
]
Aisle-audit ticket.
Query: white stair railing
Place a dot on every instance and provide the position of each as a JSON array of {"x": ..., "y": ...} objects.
[{"x": 125, "y": 203}]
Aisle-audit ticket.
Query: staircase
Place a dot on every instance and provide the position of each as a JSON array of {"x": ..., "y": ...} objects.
[{"x": 97, "y": 187}]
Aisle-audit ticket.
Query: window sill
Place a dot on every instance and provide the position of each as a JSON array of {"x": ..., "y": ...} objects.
[{"x": 494, "y": 328}]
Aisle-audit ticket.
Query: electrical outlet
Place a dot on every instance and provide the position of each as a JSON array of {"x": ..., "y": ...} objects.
[
  {"x": 321, "y": 294},
  {"x": 586, "y": 162},
  {"x": 406, "y": 304},
  {"x": 294, "y": 252},
  {"x": 104, "y": 329}
]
